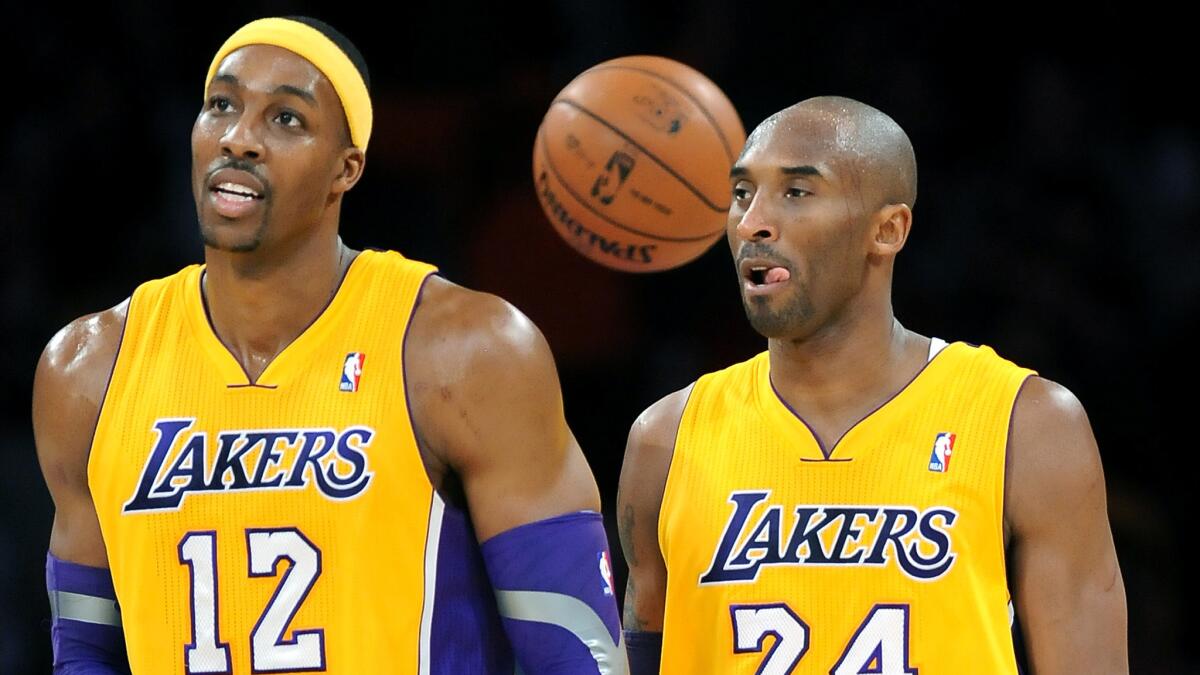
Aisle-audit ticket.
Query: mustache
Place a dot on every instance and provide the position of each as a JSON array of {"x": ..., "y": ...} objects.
[
  {"x": 758, "y": 249},
  {"x": 239, "y": 164}
]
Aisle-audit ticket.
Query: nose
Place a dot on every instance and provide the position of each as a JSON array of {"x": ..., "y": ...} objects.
[
  {"x": 242, "y": 139},
  {"x": 755, "y": 225}
]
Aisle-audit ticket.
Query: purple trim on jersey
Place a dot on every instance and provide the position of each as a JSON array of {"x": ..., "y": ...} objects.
[
  {"x": 563, "y": 555},
  {"x": 250, "y": 381},
  {"x": 1012, "y": 414},
  {"x": 408, "y": 409},
  {"x": 820, "y": 444},
  {"x": 111, "y": 372},
  {"x": 467, "y": 635},
  {"x": 1020, "y": 655},
  {"x": 79, "y": 647}
]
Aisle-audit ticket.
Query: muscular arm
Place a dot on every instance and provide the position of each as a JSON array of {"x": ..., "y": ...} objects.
[
  {"x": 488, "y": 409},
  {"x": 639, "y": 499},
  {"x": 1067, "y": 588},
  {"x": 487, "y": 402},
  {"x": 68, "y": 388}
]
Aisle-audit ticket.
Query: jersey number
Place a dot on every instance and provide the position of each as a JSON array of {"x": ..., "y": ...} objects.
[
  {"x": 879, "y": 646},
  {"x": 269, "y": 652}
]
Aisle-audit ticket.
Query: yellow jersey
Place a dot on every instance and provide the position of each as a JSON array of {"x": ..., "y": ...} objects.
[
  {"x": 286, "y": 524},
  {"x": 885, "y": 555}
]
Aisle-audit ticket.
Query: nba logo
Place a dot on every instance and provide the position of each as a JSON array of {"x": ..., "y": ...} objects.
[
  {"x": 943, "y": 447},
  {"x": 352, "y": 371},
  {"x": 606, "y": 572}
]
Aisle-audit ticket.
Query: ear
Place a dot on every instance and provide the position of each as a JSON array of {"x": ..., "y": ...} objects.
[
  {"x": 892, "y": 225},
  {"x": 353, "y": 160}
]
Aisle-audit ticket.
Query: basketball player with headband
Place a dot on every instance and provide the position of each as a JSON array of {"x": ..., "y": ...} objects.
[{"x": 299, "y": 456}]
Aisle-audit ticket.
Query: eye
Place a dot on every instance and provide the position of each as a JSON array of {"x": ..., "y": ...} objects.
[
  {"x": 796, "y": 193},
  {"x": 289, "y": 119},
  {"x": 219, "y": 104}
]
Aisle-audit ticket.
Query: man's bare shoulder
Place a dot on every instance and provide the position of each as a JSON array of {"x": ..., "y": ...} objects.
[
  {"x": 474, "y": 330},
  {"x": 649, "y": 451},
  {"x": 474, "y": 367},
  {"x": 78, "y": 360},
  {"x": 68, "y": 390},
  {"x": 658, "y": 425},
  {"x": 1053, "y": 458}
]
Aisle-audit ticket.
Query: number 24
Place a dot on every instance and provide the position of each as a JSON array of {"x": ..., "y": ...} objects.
[{"x": 880, "y": 645}]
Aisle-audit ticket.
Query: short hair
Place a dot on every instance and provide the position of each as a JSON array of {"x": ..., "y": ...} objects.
[{"x": 341, "y": 41}]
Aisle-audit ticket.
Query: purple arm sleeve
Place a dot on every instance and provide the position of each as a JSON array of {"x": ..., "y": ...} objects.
[
  {"x": 554, "y": 588},
  {"x": 85, "y": 624},
  {"x": 645, "y": 652}
]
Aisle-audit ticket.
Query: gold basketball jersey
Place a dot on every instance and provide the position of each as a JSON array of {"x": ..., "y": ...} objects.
[
  {"x": 282, "y": 525},
  {"x": 885, "y": 557}
]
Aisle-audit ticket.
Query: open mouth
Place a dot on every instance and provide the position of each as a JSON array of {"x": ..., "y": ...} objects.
[
  {"x": 766, "y": 275},
  {"x": 235, "y": 192}
]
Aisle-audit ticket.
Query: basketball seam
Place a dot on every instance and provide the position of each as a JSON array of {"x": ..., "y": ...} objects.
[
  {"x": 711, "y": 120},
  {"x": 644, "y": 151},
  {"x": 608, "y": 219}
]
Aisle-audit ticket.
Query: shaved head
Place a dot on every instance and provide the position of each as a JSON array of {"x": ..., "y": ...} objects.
[{"x": 859, "y": 137}]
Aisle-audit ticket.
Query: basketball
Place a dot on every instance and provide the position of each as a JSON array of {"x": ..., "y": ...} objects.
[{"x": 631, "y": 163}]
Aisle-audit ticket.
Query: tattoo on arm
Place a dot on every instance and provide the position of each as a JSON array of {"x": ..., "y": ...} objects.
[
  {"x": 627, "y": 539},
  {"x": 629, "y": 619}
]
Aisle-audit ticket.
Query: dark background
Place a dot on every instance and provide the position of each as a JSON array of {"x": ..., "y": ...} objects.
[{"x": 1059, "y": 163}]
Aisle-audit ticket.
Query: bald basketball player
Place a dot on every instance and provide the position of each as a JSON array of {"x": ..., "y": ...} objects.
[
  {"x": 303, "y": 457},
  {"x": 859, "y": 498}
]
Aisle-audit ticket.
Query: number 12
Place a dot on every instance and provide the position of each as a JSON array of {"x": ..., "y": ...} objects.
[{"x": 269, "y": 652}]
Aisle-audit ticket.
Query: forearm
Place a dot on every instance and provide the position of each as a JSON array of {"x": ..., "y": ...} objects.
[
  {"x": 85, "y": 628},
  {"x": 554, "y": 590},
  {"x": 1077, "y": 632},
  {"x": 644, "y": 649}
]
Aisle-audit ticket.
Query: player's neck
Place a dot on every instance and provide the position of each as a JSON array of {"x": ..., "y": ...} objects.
[
  {"x": 837, "y": 376},
  {"x": 259, "y": 304}
]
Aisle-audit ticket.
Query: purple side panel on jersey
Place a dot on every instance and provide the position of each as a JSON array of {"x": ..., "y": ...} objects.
[
  {"x": 467, "y": 635},
  {"x": 566, "y": 555}
]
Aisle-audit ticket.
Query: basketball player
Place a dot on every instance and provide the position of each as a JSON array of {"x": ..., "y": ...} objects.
[
  {"x": 859, "y": 498},
  {"x": 283, "y": 460}
]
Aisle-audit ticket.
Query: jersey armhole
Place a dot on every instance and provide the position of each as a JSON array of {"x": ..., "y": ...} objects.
[
  {"x": 112, "y": 373},
  {"x": 673, "y": 470},
  {"x": 1025, "y": 376}
]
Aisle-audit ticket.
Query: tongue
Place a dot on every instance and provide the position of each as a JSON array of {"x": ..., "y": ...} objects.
[{"x": 776, "y": 275}]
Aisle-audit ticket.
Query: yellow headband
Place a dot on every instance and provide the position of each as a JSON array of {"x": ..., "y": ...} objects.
[{"x": 320, "y": 51}]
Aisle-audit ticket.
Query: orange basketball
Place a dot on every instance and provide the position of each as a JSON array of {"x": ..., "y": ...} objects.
[{"x": 631, "y": 163}]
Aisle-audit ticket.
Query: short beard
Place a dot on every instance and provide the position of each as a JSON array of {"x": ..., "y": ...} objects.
[
  {"x": 781, "y": 323},
  {"x": 256, "y": 239}
]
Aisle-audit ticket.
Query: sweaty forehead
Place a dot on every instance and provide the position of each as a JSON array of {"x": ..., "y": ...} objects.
[
  {"x": 266, "y": 67},
  {"x": 797, "y": 139}
]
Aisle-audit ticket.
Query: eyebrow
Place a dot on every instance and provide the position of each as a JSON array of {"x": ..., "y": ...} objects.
[
  {"x": 296, "y": 91},
  {"x": 281, "y": 89},
  {"x": 805, "y": 170}
]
